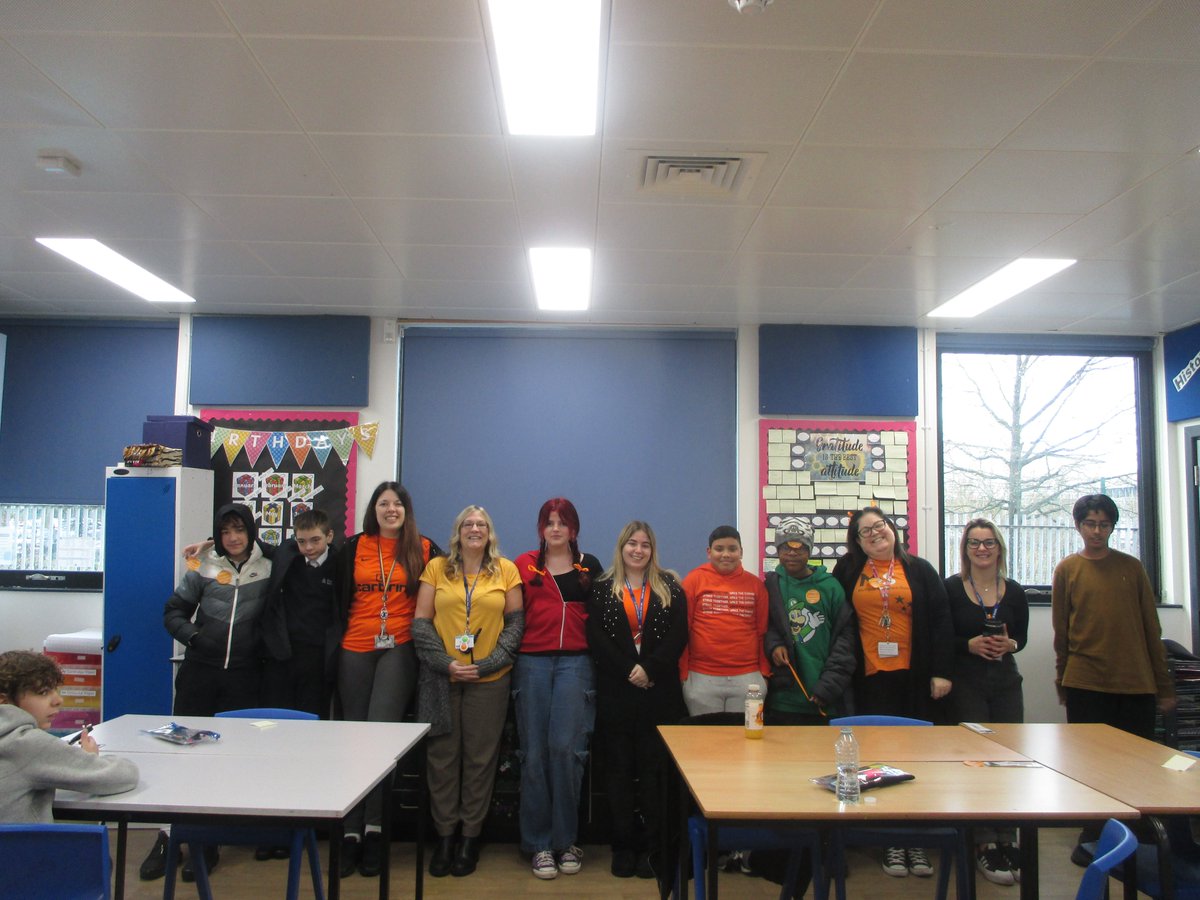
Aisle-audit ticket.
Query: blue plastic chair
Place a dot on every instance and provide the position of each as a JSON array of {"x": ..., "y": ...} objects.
[
  {"x": 794, "y": 839},
  {"x": 1116, "y": 845},
  {"x": 300, "y": 840},
  {"x": 55, "y": 862},
  {"x": 949, "y": 840}
]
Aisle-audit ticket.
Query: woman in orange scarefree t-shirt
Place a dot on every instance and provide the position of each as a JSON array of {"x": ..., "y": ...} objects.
[{"x": 377, "y": 666}]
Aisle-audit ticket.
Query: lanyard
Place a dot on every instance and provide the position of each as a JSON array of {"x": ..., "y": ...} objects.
[
  {"x": 387, "y": 584},
  {"x": 989, "y": 613},
  {"x": 469, "y": 591},
  {"x": 883, "y": 585},
  {"x": 639, "y": 605}
]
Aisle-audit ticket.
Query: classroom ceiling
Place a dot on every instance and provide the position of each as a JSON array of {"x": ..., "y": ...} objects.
[{"x": 313, "y": 157}]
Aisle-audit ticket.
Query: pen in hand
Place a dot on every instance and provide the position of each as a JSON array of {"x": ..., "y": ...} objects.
[{"x": 87, "y": 729}]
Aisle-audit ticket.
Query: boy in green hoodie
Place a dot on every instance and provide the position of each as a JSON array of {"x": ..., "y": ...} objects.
[{"x": 810, "y": 636}]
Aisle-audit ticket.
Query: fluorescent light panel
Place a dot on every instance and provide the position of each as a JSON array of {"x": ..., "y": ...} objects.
[
  {"x": 562, "y": 277},
  {"x": 1019, "y": 275},
  {"x": 548, "y": 53},
  {"x": 108, "y": 263}
]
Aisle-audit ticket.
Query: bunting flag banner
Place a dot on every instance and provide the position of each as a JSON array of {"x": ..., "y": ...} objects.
[
  {"x": 322, "y": 446},
  {"x": 277, "y": 446},
  {"x": 298, "y": 443},
  {"x": 365, "y": 436}
]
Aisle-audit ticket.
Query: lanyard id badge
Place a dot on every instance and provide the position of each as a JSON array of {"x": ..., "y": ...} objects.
[
  {"x": 383, "y": 640},
  {"x": 464, "y": 643}
]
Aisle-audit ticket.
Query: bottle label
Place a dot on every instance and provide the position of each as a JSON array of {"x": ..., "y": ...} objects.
[{"x": 754, "y": 714}]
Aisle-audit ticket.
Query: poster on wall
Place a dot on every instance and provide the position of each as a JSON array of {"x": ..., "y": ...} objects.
[
  {"x": 280, "y": 464},
  {"x": 821, "y": 472}
]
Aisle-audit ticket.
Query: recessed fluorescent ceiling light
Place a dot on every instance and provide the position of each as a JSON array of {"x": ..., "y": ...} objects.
[
  {"x": 562, "y": 277},
  {"x": 548, "y": 53},
  {"x": 108, "y": 263},
  {"x": 1019, "y": 275}
]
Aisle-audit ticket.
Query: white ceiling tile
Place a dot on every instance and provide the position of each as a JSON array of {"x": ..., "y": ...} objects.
[
  {"x": 939, "y": 276},
  {"x": 1169, "y": 31},
  {"x": 469, "y": 299},
  {"x": 164, "y": 81},
  {"x": 934, "y": 100},
  {"x": 326, "y": 259},
  {"x": 1049, "y": 182},
  {"x": 814, "y": 230},
  {"x": 478, "y": 223},
  {"x": 556, "y": 184},
  {"x": 371, "y": 86},
  {"x": 30, "y": 98},
  {"x": 181, "y": 262},
  {"x": 613, "y": 266},
  {"x": 870, "y": 177},
  {"x": 945, "y": 233},
  {"x": 1015, "y": 26},
  {"x": 1173, "y": 237},
  {"x": 1119, "y": 106},
  {"x": 111, "y": 216},
  {"x": 254, "y": 163},
  {"x": 461, "y": 263},
  {"x": 451, "y": 168},
  {"x": 303, "y": 219},
  {"x": 128, "y": 16},
  {"x": 106, "y": 163},
  {"x": 813, "y": 23},
  {"x": 673, "y": 227},
  {"x": 443, "y": 20},
  {"x": 805, "y": 270},
  {"x": 705, "y": 93}
]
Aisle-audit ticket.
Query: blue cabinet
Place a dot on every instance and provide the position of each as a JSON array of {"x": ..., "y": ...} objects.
[{"x": 150, "y": 515}]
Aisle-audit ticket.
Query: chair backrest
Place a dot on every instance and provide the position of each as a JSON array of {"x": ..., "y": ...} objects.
[
  {"x": 1116, "y": 845},
  {"x": 266, "y": 712},
  {"x": 55, "y": 862},
  {"x": 878, "y": 720}
]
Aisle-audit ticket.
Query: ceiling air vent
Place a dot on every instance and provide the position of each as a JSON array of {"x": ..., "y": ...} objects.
[{"x": 701, "y": 176}]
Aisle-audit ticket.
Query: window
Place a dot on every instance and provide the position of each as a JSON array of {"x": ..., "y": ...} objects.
[
  {"x": 51, "y": 546},
  {"x": 1027, "y": 425}
]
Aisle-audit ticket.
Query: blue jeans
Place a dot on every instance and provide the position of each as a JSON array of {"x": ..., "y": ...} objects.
[{"x": 556, "y": 711}]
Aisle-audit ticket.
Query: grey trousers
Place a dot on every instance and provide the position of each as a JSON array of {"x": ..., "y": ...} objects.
[{"x": 461, "y": 765}]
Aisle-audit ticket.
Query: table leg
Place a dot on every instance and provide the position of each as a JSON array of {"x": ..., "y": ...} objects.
[
  {"x": 683, "y": 861},
  {"x": 1029, "y": 861},
  {"x": 1166, "y": 874},
  {"x": 333, "y": 878},
  {"x": 422, "y": 815},
  {"x": 713, "y": 849},
  {"x": 385, "y": 869},
  {"x": 122, "y": 837}
]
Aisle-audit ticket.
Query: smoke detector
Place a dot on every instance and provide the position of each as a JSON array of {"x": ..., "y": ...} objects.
[
  {"x": 750, "y": 6},
  {"x": 58, "y": 162}
]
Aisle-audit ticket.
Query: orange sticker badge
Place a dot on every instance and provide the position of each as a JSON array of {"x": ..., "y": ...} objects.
[
  {"x": 193, "y": 563},
  {"x": 224, "y": 577},
  {"x": 812, "y": 595}
]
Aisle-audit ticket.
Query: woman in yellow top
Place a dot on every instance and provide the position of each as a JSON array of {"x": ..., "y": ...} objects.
[{"x": 467, "y": 630}]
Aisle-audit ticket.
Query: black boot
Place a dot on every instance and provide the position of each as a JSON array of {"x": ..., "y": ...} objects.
[
  {"x": 466, "y": 857},
  {"x": 155, "y": 863},
  {"x": 443, "y": 857}
]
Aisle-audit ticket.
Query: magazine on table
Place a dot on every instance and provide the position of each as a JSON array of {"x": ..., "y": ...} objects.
[{"x": 872, "y": 776}]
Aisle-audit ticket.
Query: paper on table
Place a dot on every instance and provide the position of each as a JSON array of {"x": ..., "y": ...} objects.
[{"x": 1179, "y": 763}]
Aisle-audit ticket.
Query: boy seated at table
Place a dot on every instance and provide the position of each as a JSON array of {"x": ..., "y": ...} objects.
[{"x": 33, "y": 764}]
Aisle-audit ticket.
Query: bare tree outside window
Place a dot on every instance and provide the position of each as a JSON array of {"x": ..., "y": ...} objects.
[{"x": 1023, "y": 436}]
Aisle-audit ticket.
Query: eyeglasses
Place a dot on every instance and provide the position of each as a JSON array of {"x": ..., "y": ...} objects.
[
  {"x": 878, "y": 528},
  {"x": 1092, "y": 525},
  {"x": 986, "y": 543}
]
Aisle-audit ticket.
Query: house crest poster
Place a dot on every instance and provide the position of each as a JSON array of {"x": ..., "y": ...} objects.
[{"x": 283, "y": 463}]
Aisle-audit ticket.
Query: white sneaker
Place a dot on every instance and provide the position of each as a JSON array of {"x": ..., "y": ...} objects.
[
  {"x": 993, "y": 864},
  {"x": 895, "y": 862},
  {"x": 918, "y": 863},
  {"x": 570, "y": 860},
  {"x": 543, "y": 865}
]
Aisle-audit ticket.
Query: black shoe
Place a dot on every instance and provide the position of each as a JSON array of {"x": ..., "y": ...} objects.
[
  {"x": 155, "y": 864},
  {"x": 643, "y": 868},
  {"x": 212, "y": 856},
  {"x": 466, "y": 858},
  {"x": 624, "y": 863},
  {"x": 351, "y": 849},
  {"x": 281, "y": 852},
  {"x": 370, "y": 863},
  {"x": 1013, "y": 854},
  {"x": 263, "y": 853},
  {"x": 1082, "y": 856},
  {"x": 443, "y": 857}
]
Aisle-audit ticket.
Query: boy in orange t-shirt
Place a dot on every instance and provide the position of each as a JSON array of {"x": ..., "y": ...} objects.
[{"x": 727, "y": 619}]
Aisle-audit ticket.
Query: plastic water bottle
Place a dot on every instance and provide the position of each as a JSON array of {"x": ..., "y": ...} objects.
[
  {"x": 846, "y": 750},
  {"x": 754, "y": 712}
]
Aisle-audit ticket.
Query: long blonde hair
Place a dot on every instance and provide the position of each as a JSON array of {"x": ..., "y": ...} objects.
[
  {"x": 491, "y": 553},
  {"x": 656, "y": 576}
]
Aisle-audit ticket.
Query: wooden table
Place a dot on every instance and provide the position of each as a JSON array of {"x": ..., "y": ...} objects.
[
  {"x": 742, "y": 782},
  {"x": 293, "y": 773},
  {"x": 1122, "y": 765}
]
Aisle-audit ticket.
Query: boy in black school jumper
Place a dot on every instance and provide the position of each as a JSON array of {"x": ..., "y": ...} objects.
[{"x": 296, "y": 627}]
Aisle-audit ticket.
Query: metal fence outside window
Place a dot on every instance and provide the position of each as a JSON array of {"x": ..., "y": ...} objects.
[
  {"x": 64, "y": 538},
  {"x": 1035, "y": 544}
]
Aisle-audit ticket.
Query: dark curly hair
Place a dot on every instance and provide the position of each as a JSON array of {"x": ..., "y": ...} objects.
[{"x": 23, "y": 672}]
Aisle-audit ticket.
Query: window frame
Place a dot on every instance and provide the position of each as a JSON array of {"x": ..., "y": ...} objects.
[{"x": 1141, "y": 351}]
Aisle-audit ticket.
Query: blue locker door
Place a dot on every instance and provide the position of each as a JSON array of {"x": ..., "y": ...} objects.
[{"x": 139, "y": 576}]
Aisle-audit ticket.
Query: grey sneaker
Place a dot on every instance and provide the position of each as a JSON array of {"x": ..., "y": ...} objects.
[
  {"x": 918, "y": 863},
  {"x": 543, "y": 865},
  {"x": 895, "y": 862},
  {"x": 570, "y": 860}
]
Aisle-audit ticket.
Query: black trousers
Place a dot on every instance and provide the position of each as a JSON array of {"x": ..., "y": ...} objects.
[
  {"x": 299, "y": 682},
  {"x": 1129, "y": 712},
  {"x": 202, "y": 690},
  {"x": 635, "y": 767}
]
